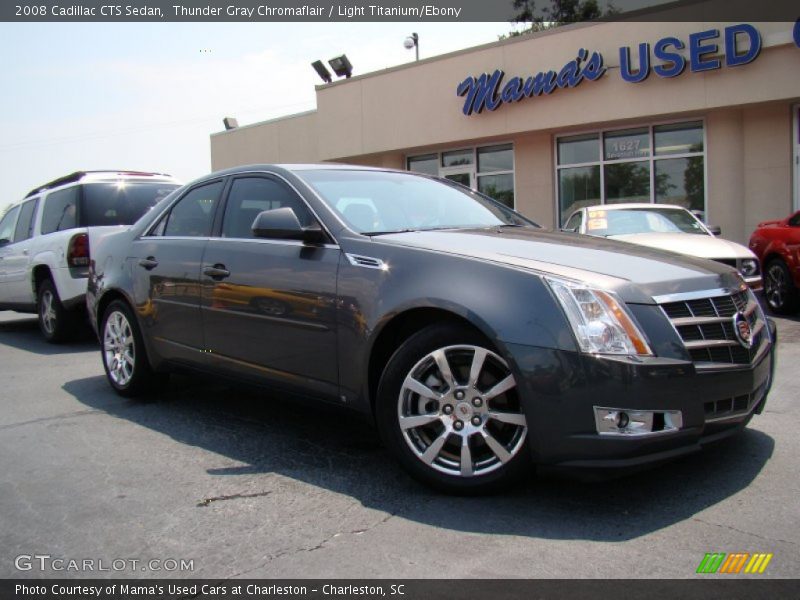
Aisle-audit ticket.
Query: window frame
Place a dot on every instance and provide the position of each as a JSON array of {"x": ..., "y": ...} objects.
[
  {"x": 14, "y": 209},
  {"x": 601, "y": 162},
  {"x": 217, "y": 231},
  {"x": 162, "y": 219},
  {"x": 46, "y": 202},
  {"x": 31, "y": 222},
  {"x": 471, "y": 168}
]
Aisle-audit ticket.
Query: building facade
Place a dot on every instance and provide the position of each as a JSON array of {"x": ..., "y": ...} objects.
[{"x": 705, "y": 115}]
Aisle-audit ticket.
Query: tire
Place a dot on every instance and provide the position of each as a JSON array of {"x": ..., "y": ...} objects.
[
  {"x": 124, "y": 355},
  {"x": 452, "y": 436},
  {"x": 56, "y": 323},
  {"x": 779, "y": 289}
]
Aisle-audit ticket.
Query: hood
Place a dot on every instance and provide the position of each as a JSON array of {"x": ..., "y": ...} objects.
[
  {"x": 636, "y": 273},
  {"x": 692, "y": 244}
]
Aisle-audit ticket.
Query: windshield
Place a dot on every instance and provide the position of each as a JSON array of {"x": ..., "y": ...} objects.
[
  {"x": 120, "y": 203},
  {"x": 374, "y": 202},
  {"x": 642, "y": 220}
]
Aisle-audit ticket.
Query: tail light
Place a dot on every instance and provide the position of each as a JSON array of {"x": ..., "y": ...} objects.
[{"x": 78, "y": 251}]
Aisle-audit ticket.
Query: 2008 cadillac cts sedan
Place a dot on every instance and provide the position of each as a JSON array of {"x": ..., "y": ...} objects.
[{"x": 479, "y": 341}]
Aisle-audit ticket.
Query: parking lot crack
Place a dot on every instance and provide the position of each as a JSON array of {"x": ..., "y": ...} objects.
[
  {"x": 318, "y": 546},
  {"x": 750, "y": 533},
  {"x": 208, "y": 501},
  {"x": 71, "y": 415}
]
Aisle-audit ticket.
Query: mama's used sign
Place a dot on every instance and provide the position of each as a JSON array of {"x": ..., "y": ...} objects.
[{"x": 741, "y": 43}]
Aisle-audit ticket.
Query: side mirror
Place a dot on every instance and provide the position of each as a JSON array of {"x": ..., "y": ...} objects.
[
  {"x": 283, "y": 224},
  {"x": 4, "y": 241},
  {"x": 715, "y": 229}
]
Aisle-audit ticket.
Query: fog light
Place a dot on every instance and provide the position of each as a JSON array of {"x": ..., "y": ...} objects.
[{"x": 619, "y": 421}]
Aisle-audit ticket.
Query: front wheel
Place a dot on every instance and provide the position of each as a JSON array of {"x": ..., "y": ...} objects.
[
  {"x": 779, "y": 289},
  {"x": 448, "y": 408},
  {"x": 124, "y": 356}
]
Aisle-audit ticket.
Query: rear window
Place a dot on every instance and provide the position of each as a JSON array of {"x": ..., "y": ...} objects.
[{"x": 120, "y": 203}]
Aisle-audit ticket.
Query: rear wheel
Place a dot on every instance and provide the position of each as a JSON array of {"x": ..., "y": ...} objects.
[
  {"x": 449, "y": 410},
  {"x": 124, "y": 355},
  {"x": 56, "y": 323},
  {"x": 779, "y": 289}
]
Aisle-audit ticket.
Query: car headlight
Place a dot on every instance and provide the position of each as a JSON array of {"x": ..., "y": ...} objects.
[
  {"x": 601, "y": 323},
  {"x": 748, "y": 267}
]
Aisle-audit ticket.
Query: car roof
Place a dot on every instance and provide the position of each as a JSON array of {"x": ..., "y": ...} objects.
[
  {"x": 631, "y": 205},
  {"x": 102, "y": 175}
]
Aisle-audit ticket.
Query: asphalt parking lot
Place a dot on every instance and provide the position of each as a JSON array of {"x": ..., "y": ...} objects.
[{"x": 245, "y": 485}]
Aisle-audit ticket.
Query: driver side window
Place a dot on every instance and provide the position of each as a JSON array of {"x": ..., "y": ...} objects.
[
  {"x": 250, "y": 196},
  {"x": 795, "y": 221}
]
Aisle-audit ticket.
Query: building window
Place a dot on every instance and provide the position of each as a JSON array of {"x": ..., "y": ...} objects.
[
  {"x": 660, "y": 163},
  {"x": 488, "y": 169}
]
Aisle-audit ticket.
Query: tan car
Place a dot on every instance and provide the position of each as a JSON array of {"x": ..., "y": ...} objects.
[{"x": 666, "y": 227}]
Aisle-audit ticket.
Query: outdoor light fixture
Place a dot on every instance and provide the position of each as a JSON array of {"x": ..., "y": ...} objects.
[
  {"x": 341, "y": 66},
  {"x": 230, "y": 123},
  {"x": 412, "y": 41},
  {"x": 322, "y": 71}
]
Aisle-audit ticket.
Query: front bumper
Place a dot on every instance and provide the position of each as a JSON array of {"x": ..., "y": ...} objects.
[{"x": 560, "y": 390}]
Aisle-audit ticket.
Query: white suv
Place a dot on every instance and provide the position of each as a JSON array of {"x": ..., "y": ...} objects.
[{"x": 45, "y": 240}]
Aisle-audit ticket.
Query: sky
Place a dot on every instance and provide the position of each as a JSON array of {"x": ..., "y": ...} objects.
[{"x": 82, "y": 96}]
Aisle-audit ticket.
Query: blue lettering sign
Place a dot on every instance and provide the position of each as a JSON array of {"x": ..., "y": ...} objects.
[
  {"x": 481, "y": 92},
  {"x": 697, "y": 51},
  {"x": 625, "y": 64},
  {"x": 732, "y": 56},
  {"x": 797, "y": 33},
  {"x": 674, "y": 61},
  {"x": 486, "y": 91}
]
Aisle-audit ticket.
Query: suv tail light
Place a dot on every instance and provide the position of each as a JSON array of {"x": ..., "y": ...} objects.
[{"x": 78, "y": 251}]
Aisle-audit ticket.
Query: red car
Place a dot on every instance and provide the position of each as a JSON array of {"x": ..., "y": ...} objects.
[{"x": 777, "y": 246}]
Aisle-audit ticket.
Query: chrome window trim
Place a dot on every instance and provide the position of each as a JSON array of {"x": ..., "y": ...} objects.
[{"x": 273, "y": 241}]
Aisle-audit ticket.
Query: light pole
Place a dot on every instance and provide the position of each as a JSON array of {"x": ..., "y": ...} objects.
[{"x": 412, "y": 41}]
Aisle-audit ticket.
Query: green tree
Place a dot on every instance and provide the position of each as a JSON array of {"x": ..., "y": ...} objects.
[{"x": 560, "y": 12}]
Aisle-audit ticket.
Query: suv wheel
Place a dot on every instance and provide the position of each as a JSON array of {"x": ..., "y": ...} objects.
[
  {"x": 54, "y": 320},
  {"x": 124, "y": 356},
  {"x": 448, "y": 409},
  {"x": 779, "y": 289}
]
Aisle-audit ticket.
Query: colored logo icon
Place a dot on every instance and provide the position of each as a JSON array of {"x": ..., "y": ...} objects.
[{"x": 734, "y": 563}]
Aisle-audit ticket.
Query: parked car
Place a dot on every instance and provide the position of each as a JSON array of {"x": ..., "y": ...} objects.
[
  {"x": 477, "y": 340},
  {"x": 665, "y": 226},
  {"x": 777, "y": 245},
  {"x": 45, "y": 240}
]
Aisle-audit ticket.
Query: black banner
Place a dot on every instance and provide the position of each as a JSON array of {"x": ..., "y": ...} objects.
[
  {"x": 383, "y": 10},
  {"x": 408, "y": 589}
]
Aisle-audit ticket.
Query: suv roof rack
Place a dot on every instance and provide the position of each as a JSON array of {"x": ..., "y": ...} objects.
[{"x": 78, "y": 175}]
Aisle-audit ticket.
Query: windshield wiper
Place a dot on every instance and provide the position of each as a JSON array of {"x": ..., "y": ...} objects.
[{"x": 387, "y": 232}]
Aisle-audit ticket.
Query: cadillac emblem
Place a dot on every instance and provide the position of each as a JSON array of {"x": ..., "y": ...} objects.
[{"x": 742, "y": 329}]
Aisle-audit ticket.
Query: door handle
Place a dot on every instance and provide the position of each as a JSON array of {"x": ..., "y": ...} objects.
[
  {"x": 148, "y": 263},
  {"x": 217, "y": 271}
]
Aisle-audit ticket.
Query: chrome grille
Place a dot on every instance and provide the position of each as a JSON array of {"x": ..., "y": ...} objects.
[{"x": 707, "y": 330}]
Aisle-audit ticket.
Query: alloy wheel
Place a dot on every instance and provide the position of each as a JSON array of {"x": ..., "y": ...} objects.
[
  {"x": 776, "y": 286},
  {"x": 48, "y": 312},
  {"x": 459, "y": 411},
  {"x": 119, "y": 352}
]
